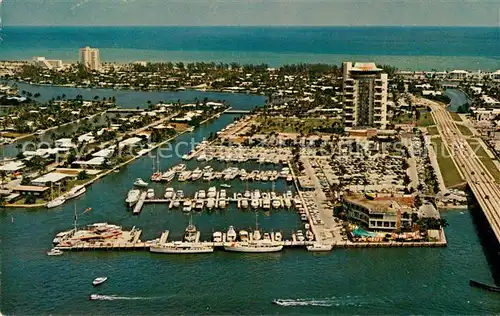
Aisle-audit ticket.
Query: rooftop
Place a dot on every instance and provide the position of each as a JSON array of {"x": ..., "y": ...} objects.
[{"x": 365, "y": 67}]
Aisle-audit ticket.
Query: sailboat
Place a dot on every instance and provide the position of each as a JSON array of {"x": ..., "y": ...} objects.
[
  {"x": 157, "y": 175},
  {"x": 57, "y": 201}
]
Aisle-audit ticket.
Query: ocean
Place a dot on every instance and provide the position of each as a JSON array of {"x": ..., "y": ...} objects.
[{"x": 411, "y": 48}]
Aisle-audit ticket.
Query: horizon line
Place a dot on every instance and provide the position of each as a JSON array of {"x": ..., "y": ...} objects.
[{"x": 249, "y": 26}]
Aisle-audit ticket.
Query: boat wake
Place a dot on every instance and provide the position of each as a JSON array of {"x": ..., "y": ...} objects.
[
  {"x": 99, "y": 297},
  {"x": 322, "y": 302}
]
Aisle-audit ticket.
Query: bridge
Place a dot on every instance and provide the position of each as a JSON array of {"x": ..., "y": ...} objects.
[{"x": 472, "y": 169}]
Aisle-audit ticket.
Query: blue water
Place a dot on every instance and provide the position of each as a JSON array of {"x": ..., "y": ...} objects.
[{"x": 405, "y": 47}]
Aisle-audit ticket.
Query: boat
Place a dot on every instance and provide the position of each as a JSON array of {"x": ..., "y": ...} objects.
[
  {"x": 224, "y": 185},
  {"x": 222, "y": 194},
  {"x": 99, "y": 280},
  {"x": 222, "y": 204},
  {"x": 199, "y": 205},
  {"x": 212, "y": 192},
  {"x": 76, "y": 191},
  {"x": 319, "y": 247},
  {"x": 309, "y": 235},
  {"x": 300, "y": 235},
  {"x": 197, "y": 173},
  {"x": 156, "y": 177},
  {"x": 179, "y": 167},
  {"x": 179, "y": 194},
  {"x": 186, "y": 157},
  {"x": 54, "y": 252},
  {"x": 276, "y": 203},
  {"x": 56, "y": 202},
  {"x": 289, "y": 178},
  {"x": 95, "y": 297},
  {"x": 169, "y": 193},
  {"x": 255, "y": 203},
  {"x": 254, "y": 247},
  {"x": 184, "y": 176},
  {"x": 133, "y": 196},
  {"x": 140, "y": 183},
  {"x": 181, "y": 247},
  {"x": 266, "y": 203},
  {"x": 217, "y": 237},
  {"x": 207, "y": 176},
  {"x": 243, "y": 235},
  {"x": 256, "y": 235},
  {"x": 247, "y": 194},
  {"x": 244, "y": 203},
  {"x": 210, "y": 203},
  {"x": 278, "y": 236},
  {"x": 202, "y": 194},
  {"x": 176, "y": 203},
  {"x": 218, "y": 175},
  {"x": 484, "y": 286},
  {"x": 150, "y": 194},
  {"x": 191, "y": 233},
  {"x": 231, "y": 234},
  {"x": 187, "y": 206},
  {"x": 168, "y": 176}
]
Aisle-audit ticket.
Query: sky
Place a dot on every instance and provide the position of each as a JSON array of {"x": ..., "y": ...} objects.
[{"x": 252, "y": 12}]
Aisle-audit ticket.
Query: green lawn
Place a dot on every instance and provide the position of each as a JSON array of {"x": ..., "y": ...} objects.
[
  {"x": 426, "y": 120},
  {"x": 402, "y": 119},
  {"x": 485, "y": 159},
  {"x": 451, "y": 176},
  {"x": 432, "y": 130},
  {"x": 456, "y": 116},
  {"x": 464, "y": 130}
]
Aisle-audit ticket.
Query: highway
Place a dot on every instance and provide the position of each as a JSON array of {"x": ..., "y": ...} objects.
[{"x": 480, "y": 180}]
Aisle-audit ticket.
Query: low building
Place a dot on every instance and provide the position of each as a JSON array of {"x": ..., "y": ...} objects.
[
  {"x": 26, "y": 190},
  {"x": 12, "y": 167},
  {"x": 378, "y": 214},
  {"x": 53, "y": 177},
  {"x": 47, "y": 63}
]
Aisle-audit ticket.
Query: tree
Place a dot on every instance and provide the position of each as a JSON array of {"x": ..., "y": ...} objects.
[{"x": 82, "y": 175}]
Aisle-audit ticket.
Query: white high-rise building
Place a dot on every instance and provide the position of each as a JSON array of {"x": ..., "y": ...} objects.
[
  {"x": 47, "y": 63},
  {"x": 365, "y": 95},
  {"x": 89, "y": 57}
]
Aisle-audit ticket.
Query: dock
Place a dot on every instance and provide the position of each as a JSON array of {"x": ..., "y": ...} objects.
[{"x": 140, "y": 203}]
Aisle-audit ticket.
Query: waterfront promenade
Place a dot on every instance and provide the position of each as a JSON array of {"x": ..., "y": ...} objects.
[{"x": 480, "y": 180}]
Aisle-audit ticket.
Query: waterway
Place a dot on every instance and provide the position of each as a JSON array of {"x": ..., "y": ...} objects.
[
  {"x": 347, "y": 281},
  {"x": 457, "y": 98}
]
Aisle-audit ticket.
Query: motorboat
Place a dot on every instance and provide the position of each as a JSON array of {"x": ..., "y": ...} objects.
[
  {"x": 99, "y": 280},
  {"x": 191, "y": 233},
  {"x": 197, "y": 173},
  {"x": 267, "y": 236},
  {"x": 156, "y": 177},
  {"x": 247, "y": 194},
  {"x": 222, "y": 204},
  {"x": 266, "y": 203},
  {"x": 54, "y": 252},
  {"x": 276, "y": 203},
  {"x": 76, "y": 191},
  {"x": 199, "y": 205},
  {"x": 210, "y": 203},
  {"x": 278, "y": 236},
  {"x": 207, "y": 176},
  {"x": 133, "y": 196},
  {"x": 95, "y": 297},
  {"x": 168, "y": 176},
  {"x": 56, "y": 202},
  {"x": 309, "y": 235},
  {"x": 217, "y": 237},
  {"x": 202, "y": 194},
  {"x": 244, "y": 203},
  {"x": 140, "y": 183},
  {"x": 150, "y": 194},
  {"x": 222, "y": 194},
  {"x": 179, "y": 194},
  {"x": 179, "y": 167},
  {"x": 224, "y": 185},
  {"x": 289, "y": 178},
  {"x": 179, "y": 247},
  {"x": 176, "y": 203},
  {"x": 184, "y": 176},
  {"x": 255, "y": 203},
  {"x": 319, "y": 247},
  {"x": 243, "y": 235},
  {"x": 169, "y": 193},
  {"x": 218, "y": 175},
  {"x": 256, "y": 235},
  {"x": 212, "y": 192},
  {"x": 231, "y": 234},
  {"x": 300, "y": 235},
  {"x": 187, "y": 206}
]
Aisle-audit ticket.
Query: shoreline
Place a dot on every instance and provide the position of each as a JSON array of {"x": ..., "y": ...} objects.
[{"x": 117, "y": 167}]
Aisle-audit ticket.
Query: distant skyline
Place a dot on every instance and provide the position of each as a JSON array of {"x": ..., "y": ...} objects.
[{"x": 252, "y": 12}]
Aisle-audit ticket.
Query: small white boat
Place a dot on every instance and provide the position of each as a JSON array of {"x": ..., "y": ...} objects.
[
  {"x": 187, "y": 206},
  {"x": 169, "y": 193},
  {"x": 319, "y": 247},
  {"x": 54, "y": 252},
  {"x": 99, "y": 280},
  {"x": 210, "y": 203},
  {"x": 56, "y": 202},
  {"x": 132, "y": 197},
  {"x": 76, "y": 192},
  {"x": 244, "y": 203},
  {"x": 176, "y": 203},
  {"x": 278, "y": 236},
  {"x": 231, "y": 234},
  {"x": 168, "y": 176},
  {"x": 217, "y": 237},
  {"x": 224, "y": 185},
  {"x": 140, "y": 183},
  {"x": 150, "y": 194}
]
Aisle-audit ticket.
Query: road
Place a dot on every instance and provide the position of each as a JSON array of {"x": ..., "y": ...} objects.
[{"x": 480, "y": 180}]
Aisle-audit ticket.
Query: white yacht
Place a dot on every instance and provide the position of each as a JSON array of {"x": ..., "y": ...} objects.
[
  {"x": 176, "y": 203},
  {"x": 179, "y": 247},
  {"x": 247, "y": 194},
  {"x": 224, "y": 185},
  {"x": 254, "y": 247},
  {"x": 207, "y": 176},
  {"x": 197, "y": 173},
  {"x": 255, "y": 203},
  {"x": 140, "y": 183},
  {"x": 231, "y": 234},
  {"x": 309, "y": 235},
  {"x": 199, "y": 205},
  {"x": 133, "y": 196},
  {"x": 168, "y": 176},
  {"x": 319, "y": 247},
  {"x": 243, "y": 235},
  {"x": 76, "y": 191},
  {"x": 300, "y": 235},
  {"x": 187, "y": 206},
  {"x": 179, "y": 194},
  {"x": 54, "y": 252},
  {"x": 222, "y": 194},
  {"x": 169, "y": 193},
  {"x": 217, "y": 237},
  {"x": 276, "y": 203},
  {"x": 244, "y": 203},
  {"x": 191, "y": 233},
  {"x": 266, "y": 203},
  {"x": 202, "y": 194},
  {"x": 99, "y": 280},
  {"x": 56, "y": 202},
  {"x": 210, "y": 203},
  {"x": 222, "y": 204},
  {"x": 150, "y": 194},
  {"x": 212, "y": 192},
  {"x": 179, "y": 168},
  {"x": 278, "y": 236}
]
